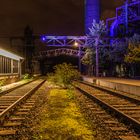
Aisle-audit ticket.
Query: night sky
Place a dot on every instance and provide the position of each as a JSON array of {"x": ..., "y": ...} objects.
[{"x": 53, "y": 17}]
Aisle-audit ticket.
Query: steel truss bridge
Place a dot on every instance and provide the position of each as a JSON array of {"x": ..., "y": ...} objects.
[
  {"x": 65, "y": 45},
  {"x": 69, "y": 41},
  {"x": 59, "y": 52}
]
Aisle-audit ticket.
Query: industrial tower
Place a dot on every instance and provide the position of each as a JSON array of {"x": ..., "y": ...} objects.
[
  {"x": 92, "y": 11},
  {"x": 127, "y": 19}
]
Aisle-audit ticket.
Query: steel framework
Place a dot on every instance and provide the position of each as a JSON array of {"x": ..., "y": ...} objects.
[
  {"x": 63, "y": 41},
  {"x": 69, "y": 41},
  {"x": 127, "y": 16},
  {"x": 58, "y": 52}
]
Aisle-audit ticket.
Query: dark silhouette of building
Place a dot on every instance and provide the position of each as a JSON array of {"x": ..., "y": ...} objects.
[{"x": 28, "y": 49}]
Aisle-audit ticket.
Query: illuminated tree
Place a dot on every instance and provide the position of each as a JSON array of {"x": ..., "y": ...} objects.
[
  {"x": 96, "y": 32},
  {"x": 117, "y": 51},
  {"x": 88, "y": 59},
  {"x": 133, "y": 53}
]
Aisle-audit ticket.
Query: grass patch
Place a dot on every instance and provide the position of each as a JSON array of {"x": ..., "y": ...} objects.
[{"x": 61, "y": 119}]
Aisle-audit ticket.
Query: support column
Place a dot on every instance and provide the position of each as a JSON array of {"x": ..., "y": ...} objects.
[
  {"x": 79, "y": 58},
  {"x": 11, "y": 66},
  {"x": 19, "y": 69}
]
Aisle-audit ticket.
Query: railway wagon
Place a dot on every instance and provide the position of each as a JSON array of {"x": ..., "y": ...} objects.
[{"x": 10, "y": 66}]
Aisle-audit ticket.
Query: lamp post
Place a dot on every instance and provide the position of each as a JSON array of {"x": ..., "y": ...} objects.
[
  {"x": 126, "y": 16},
  {"x": 79, "y": 61}
]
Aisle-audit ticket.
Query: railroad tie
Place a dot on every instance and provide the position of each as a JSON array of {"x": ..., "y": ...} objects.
[
  {"x": 28, "y": 103},
  {"x": 128, "y": 138},
  {"x": 100, "y": 112},
  {"x": 3, "y": 106},
  {"x": 130, "y": 108},
  {"x": 120, "y": 129},
  {"x": 135, "y": 115},
  {"x": 110, "y": 122},
  {"x": 20, "y": 113},
  {"x": 106, "y": 116},
  {"x": 7, "y": 132},
  {"x": 16, "y": 118},
  {"x": 124, "y": 106},
  {"x": 131, "y": 111},
  {"x": 24, "y": 109},
  {"x": 1, "y": 110},
  {"x": 11, "y": 124},
  {"x": 27, "y": 106}
]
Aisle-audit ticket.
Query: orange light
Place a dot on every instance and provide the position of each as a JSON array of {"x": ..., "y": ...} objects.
[{"x": 76, "y": 44}]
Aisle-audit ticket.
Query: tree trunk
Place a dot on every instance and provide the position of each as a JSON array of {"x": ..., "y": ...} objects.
[
  {"x": 97, "y": 56},
  {"x": 132, "y": 69}
]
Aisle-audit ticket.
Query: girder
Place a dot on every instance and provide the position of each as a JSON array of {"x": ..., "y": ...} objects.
[
  {"x": 79, "y": 51},
  {"x": 69, "y": 41},
  {"x": 63, "y": 41},
  {"x": 58, "y": 52}
]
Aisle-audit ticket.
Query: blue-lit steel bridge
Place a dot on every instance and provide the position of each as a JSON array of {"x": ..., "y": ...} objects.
[
  {"x": 73, "y": 45},
  {"x": 69, "y": 41}
]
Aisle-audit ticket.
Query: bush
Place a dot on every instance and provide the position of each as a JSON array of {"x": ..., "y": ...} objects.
[
  {"x": 64, "y": 74},
  {"x": 2, "y": 82},
  {"x": 51, "y": 77},
  {"x": 27, "y": 76}
]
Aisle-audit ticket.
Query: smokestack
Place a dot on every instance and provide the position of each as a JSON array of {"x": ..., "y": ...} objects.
[{"x": 92, "y": 11}]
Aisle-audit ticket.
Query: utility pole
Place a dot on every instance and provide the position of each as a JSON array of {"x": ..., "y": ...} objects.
[
  {"x": 76, "y": 44},
  {"x": 126, "y": 16},
  {"x": 97, "y": 55},
  {"x": 79, "y": 57}
]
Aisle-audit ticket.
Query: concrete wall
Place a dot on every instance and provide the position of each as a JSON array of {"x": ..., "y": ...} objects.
[
  {"x": 10, "y": 79},
  {"x": 119, "y": 86},
  {"x": 133, "y": 89}
]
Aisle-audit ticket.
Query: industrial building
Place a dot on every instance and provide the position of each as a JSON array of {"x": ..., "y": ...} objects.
[{"x": 10, "y": 65}]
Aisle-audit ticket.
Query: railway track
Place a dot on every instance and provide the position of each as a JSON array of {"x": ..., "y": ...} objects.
[
  {"x": 14, "y": 106},
  {"x": 115, "y": 110},
  {"x": 15, "y": 87}
]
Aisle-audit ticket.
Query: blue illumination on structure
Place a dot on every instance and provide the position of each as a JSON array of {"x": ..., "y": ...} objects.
[
  {"x": 43, "y": 38},
  {"x": 126, "y": 15},
  {"x": 113, "y": 28},
  {"x": 92, "y": 11},
  {"x": 127, "y": 19}
]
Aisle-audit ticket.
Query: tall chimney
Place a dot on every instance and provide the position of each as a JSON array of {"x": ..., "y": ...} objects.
[{"x": 92, "y": 11}]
